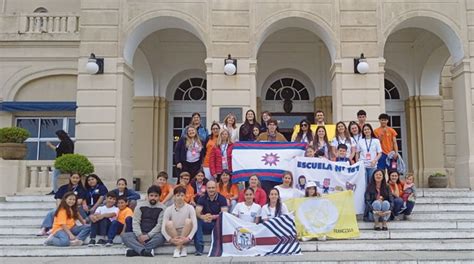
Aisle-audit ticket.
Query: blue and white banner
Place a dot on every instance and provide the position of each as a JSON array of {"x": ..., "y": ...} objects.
[
  {"x": 234, "y": 237},
  {"x": 268, "y": 160},
  {"x": 331, "y": 177}
]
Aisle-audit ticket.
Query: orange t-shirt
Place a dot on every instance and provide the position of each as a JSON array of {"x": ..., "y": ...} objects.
[
  {"x": 165, "y": 190},
  {"x": 234, "y": 191},
  {"x": 189, "y": 193},
  {"x": 123, "y": 214},
  {"x": 62, "y": 219},
  {"x": 386, "y": 138},
  {"x": 209, "y": 145}
]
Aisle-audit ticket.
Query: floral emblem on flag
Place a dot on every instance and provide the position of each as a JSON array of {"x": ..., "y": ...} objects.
[{"x": 270, "y": 159}]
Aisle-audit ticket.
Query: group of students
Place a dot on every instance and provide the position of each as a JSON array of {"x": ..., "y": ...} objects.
[{"x": 184, "y": 212}]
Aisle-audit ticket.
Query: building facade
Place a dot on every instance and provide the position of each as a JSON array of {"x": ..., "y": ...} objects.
[{"x": 163, "y": 60}]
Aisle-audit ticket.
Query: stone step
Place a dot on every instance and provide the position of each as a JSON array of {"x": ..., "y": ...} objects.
[
  {"x": 421, "y": 234},
  {"x": 319, "y": 246},
  {"x": 443, "y": 207},
  {"x": 444, "y": 200},
  {"x": 24, "y": 213},
  {"x": 24, "y": 227},
  {"x": 449, "y": 192}
]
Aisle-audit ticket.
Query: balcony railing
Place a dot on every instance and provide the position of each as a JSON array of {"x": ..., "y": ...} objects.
[
  {"x": 48, "y": 23},
  {"x": 37, "y": 175}
]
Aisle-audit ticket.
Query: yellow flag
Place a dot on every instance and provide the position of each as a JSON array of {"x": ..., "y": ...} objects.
[
  {"x": 332, "y": 215},
  {"x": 330, "y": 130}
]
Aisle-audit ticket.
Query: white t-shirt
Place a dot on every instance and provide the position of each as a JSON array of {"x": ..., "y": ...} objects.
[
  {"x": 269, "y": 212},
  {"x": 247, "y": 213},
  {"x": 106, "y": 210},
  {"x": 336, "y": 141},
  {"x": 233, "y": 133},
  {"x": 288, "y": 193},
  {"x": 357, "y": 139},
  {"x": 369, "y": 148}
]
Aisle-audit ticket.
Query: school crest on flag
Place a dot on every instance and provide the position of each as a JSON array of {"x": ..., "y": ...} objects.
[
  {"x": 233, "y": 237},
  {"x": 268, "y": 160}
]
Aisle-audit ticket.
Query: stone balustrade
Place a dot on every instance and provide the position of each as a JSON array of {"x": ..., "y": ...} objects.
[
  {"x": 37, "y": 175},
  {"x": 48, "y": 23}
]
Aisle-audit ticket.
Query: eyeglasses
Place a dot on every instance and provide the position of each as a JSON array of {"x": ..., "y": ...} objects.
[
  {"x": 304, "y": 125},
  {"x": 215, "y": 128}
]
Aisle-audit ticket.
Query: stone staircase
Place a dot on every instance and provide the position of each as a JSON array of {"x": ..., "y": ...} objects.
[{"x": 443, "y": 220}]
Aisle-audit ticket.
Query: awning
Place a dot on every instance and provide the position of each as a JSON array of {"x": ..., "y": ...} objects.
[{"x": 37, "y": 106}]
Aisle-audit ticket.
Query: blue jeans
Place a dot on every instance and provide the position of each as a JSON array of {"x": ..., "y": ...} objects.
[
  {"x": 100, "y": 228},
  {"x": 48, "y": 220},
  {"x": 368, "y": 175},
  {"x": 397, "y": 206},
  {"x": 382, "y": 163},
  {"x": 54, "y": 179},
  {"x": 383, "y": 206},
  {"x": 202, "y": 228},
  {"x": 116, "y": 228},
  {"x": 61, "y": 238}
]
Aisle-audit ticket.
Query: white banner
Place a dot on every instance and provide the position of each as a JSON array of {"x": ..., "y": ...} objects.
[
  {"x": 234, "y": 237},
  {"x": 331, "y": 177}
]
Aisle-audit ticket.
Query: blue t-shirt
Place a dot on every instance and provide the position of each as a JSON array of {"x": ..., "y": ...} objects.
[
  {"x": 212, "y": 207},
  {"x": 78, "y": 190},
  {"x": 93, "y": 194}
]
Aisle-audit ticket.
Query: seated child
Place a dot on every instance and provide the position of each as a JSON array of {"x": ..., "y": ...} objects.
[
  {"x": 310, "y": 152},
  {"x": 131, "y": 195},
  {"x": 123, "y": 223},
  {"x": 103, "y": 218},
  {"x": 166, "y": 188},
  {"x": 199, "y": 185},
  {"x": 184, "y": 178},
  {"x": 311, "y": 190},
  {"x": 409, "y": 191},
  {"x": 341, "y": 154}
]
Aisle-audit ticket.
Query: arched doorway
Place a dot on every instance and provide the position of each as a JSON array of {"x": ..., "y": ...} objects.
[
  {"x": 395, "y": 108},
  {"x": 189, "y": 97},
  {"x": 293, "y": 65}
]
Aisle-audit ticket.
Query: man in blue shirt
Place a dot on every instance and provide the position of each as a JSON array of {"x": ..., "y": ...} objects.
[{"x": 208, "y": 208}]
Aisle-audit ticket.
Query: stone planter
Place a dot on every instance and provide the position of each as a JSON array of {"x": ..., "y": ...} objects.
[
  {"x": 437, "y": 181},
  {"x": 13, "y": 151}
]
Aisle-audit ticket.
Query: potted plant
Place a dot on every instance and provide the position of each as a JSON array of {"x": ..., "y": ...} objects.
[
  {"x": 438, "y": 180},
  {"x": 74, "y": 163},
  {"x": 12, "y": 143}
]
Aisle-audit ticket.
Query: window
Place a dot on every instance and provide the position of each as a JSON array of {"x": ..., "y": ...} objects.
[
  {"x": 40, "y": 10},
  {"x": 287, "y": 88},
  {"x": 42, "y": 130},
  {"x": 193, "y": 89},
  {"x": 391, "y": 91}
]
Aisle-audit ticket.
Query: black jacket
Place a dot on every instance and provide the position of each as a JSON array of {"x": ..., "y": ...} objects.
[
  {"x": 371, "y": 196},
  {"x": 65, "y": 147},
  {"x": 180, "y": 151}
]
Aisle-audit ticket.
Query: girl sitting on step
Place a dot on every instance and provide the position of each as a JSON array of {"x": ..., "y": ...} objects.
[
  {"x": 65, "y": 232},
  {"x": 75, "y": 186},
  {"x": 378, "y": 201}
]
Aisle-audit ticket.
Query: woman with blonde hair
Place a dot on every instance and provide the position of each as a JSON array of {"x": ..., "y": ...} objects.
[
  {"x": 260, "y": 196},
  {"x": 230, "y": 124},
  {"x": 221, "y": 155},
  {"x": 189, "y": 152}
]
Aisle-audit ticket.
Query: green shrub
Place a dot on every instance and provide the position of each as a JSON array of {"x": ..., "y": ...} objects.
[
  {"x": 438, "y": 174},
  {"x": 13, "y": 135},
  {"x": 74, "y": 163}
]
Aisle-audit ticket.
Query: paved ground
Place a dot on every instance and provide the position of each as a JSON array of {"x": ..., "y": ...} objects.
[{"x": 313, "y": 257}]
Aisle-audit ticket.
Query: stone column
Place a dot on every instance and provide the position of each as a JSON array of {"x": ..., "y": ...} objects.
[
  {"x": 352, "y": 92},
  {"x": 238, "y": 90},
  {"x": 103, "y": 119},
  {"x": 462, "y": 95},
  {"x": 424, "y": 128}
]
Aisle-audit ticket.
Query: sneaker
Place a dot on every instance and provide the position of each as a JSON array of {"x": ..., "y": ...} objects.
[
  {"x": 51, "y": 193},
  {"x": 148, "y": 253},
  {"x": 184, "y": 252},
  {"x": 101, "y": 242},
  {"x": 48, "y": 239},
  {"x": 131, "y": 253},
  {"x": 109, "y": 243},
  {"x": 305, "y": 239},
  {"x": 323, "y": 238},
  {"x": 198, "y": 253},
  {"x": 91, "y": 243},
  {"x": 42, "y": 232},
  {"x": 176, "y": 253},
  {"x": 76, "y": 242}
]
